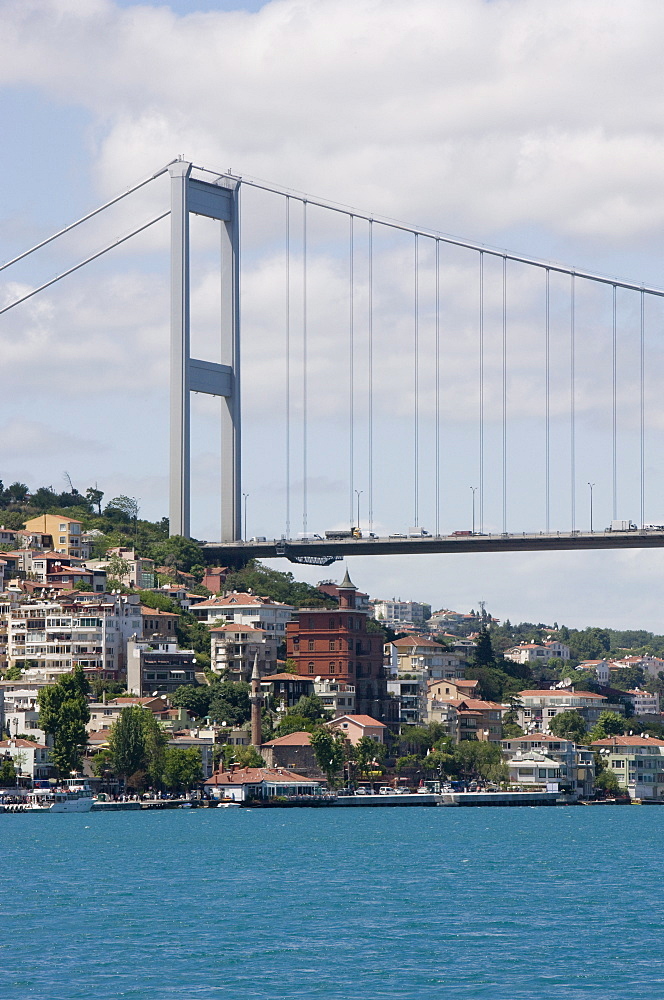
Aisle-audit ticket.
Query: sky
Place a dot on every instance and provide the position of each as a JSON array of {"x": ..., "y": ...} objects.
[{"x": 511, "y": 123}]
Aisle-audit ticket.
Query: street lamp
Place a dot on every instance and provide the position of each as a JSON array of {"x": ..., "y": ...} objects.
[
  {"x": 473, "y": 490},
  {"x": 358, "y": 493},
  {"x": 245, "y": 495},
  {"x": 591, "y": 485}
]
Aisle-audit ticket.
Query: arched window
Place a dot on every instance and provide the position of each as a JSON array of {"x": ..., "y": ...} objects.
[
  {"x": 333, "y": 666},
  {"x": 311, "y": 668},
  {"x": 331, "y": 623}
]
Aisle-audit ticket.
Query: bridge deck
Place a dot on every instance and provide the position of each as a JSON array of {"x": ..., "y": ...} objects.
[{"x": 298, "y": 550}]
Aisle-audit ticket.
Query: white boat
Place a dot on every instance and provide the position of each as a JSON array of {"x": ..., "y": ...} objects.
[{"x": 73, "y": 796}]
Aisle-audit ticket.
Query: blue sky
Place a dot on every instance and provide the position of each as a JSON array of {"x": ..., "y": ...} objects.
[{"x": 515, "y": 124}]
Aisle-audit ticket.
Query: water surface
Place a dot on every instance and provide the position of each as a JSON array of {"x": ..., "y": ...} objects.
[{"x": 475, "y": 904}]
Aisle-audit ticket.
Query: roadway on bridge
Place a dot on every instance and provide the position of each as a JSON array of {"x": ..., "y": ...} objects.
[{"x": 326, "y": 551}]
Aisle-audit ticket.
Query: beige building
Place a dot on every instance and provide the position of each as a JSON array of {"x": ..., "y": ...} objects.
[
  {"x": 419, "y": 654},
  {"x": 65, "y": 532}
]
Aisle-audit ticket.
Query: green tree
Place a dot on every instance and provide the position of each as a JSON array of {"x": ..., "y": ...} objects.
[
  {"x": 229, "y": 703},
  {"x": 124, "y": 508},
  {"x": 607, "y": 781},
  {"x": 7, "y": 774},
  {"x": 179, "y": 552},
  {"x": 292, "y": 723},
  {"x": 479, "y": 759},
  {"x": 608, "y": 724},
  {"x": 117, "y": 569},
  {"x": 182, "y": 768},
  {"x": 312, "y": 707},
  {"x": 569, "y": 725},
  {"x": 94, "y": 497},
  {"x": 330, "y": 752},
  {"x": 483, "y": 654},
  {"x": 195, "y": 698},
  {"x": 63, "y": 713},
  {"x": 137, "y": 744},
  {"x": 368, "y": 754}
]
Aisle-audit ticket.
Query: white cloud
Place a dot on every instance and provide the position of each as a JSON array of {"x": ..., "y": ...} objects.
[{"x": 513, "y": 122}]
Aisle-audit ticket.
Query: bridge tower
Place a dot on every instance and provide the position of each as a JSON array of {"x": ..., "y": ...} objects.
[{"x": 218, "y": 200}]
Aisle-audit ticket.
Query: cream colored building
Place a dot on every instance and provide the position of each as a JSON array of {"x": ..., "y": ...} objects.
[{"x": 65, "y": 532}]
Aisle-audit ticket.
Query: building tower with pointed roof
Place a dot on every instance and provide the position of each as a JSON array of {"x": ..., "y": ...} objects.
[{"x": 334, "y": 644}]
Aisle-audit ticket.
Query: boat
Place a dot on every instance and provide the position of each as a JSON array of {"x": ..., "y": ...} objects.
[{"x": 73, "y": 796}]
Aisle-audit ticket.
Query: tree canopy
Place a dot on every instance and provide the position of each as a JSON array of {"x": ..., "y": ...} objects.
[
  {"x": 63, "y": 714},
  {"x": 569, "y": 725}
]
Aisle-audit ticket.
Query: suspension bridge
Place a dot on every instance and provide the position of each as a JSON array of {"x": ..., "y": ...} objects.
[{"x": 388, "y": 388}]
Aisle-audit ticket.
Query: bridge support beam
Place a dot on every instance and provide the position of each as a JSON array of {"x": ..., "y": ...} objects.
[{"x": 216, "y": 201}]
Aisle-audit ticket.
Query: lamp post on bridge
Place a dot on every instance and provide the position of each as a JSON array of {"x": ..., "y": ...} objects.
[
  {"x": 591, "y": 485},
  {"x": 473, "y": 490},
  {"x": 358, "y": 493}
]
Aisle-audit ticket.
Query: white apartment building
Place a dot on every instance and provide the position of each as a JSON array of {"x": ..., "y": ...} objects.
[
  {"x": 644, "y": 702},
  {"x": 396, "y": 612},
  {"x": 600, "y": 668},
  {"x": 29, "y": 758},
  {"x": 49, "y": 638},
  {"x": 19, "y": 709},
  {"x": 537, "y": 652},
  {"x": 233, "y": 648},
  {"x": 538, "y": 708},
  {"x": 245, "y": 609},
  {"x": 337, "y": 696}
]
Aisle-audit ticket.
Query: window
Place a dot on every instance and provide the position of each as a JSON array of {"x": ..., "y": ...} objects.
[
  {"x": 311, "y": 668},
  {"x": 332, "y": 646},
  {"x": 311, "y": 644},
  {"x": 333, "y": 666},
  {"x": 551, "y": 712},
  {"x": 330, "y": 624}
]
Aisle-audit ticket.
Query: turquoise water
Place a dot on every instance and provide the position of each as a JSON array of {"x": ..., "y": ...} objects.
[{"x": 475, "y": 904}]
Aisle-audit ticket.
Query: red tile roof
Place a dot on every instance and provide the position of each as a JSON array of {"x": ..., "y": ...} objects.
[
  {"x": 361, "y": 720},
  {"x": 629, "y": 741},
  {"x": 254, "y": 775},
  {"x": 292, "y": 740},
  {"x": 556, "y": 692},
  {"x": 27, "y": 744}
]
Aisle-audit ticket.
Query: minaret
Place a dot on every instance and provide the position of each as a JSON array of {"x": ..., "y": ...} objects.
[{"x": 256, "y": 699}]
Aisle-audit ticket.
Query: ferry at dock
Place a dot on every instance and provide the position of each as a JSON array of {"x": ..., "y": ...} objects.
[{"x": 71, "y": 796}]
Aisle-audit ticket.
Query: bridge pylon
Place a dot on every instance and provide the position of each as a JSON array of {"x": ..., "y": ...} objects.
[{"x": 219, "y": 200}]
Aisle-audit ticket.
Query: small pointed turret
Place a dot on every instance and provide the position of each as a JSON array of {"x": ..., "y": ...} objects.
[{"x": 346, "y": 592}]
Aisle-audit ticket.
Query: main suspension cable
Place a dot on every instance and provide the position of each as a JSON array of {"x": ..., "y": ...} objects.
[
  {"x": 88, "y": 260},
  {"x": 84, "y": 218}
]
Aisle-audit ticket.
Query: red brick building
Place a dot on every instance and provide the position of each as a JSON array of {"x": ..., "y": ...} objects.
[{"x": 334, "y": 643}]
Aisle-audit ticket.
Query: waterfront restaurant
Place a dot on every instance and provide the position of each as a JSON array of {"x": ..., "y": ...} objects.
[{"x": 243, "y": 783}]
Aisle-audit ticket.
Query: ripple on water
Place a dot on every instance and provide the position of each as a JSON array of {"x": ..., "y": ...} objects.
[{"x": 333, "y": 905}]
